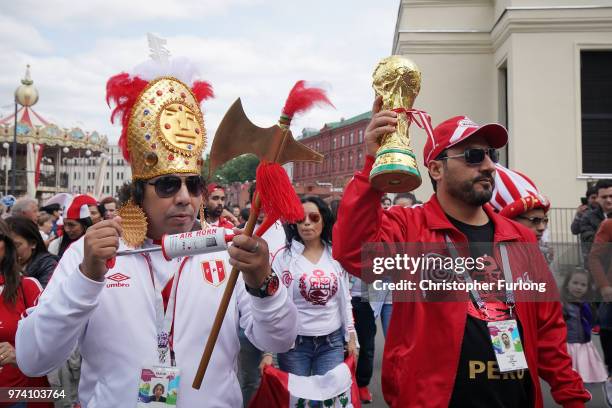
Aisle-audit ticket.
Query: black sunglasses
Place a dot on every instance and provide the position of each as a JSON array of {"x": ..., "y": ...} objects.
[
  {"x": 167, "y": 186},
  {"x": 476, "y": 155}
]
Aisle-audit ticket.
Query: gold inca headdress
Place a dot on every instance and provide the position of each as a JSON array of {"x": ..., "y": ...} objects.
[{"x": 163, "y": 127}]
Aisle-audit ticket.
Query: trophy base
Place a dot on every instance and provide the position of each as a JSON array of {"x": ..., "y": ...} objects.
[{"x": 395, "y": 171}]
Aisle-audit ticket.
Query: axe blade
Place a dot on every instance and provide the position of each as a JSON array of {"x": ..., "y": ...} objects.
[{"x": 237, "y": 135}]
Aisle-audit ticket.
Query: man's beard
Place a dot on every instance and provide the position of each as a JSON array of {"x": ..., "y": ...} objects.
[
  {"x": 216, "y": 212},
  {"x": 466, "y": 191}
]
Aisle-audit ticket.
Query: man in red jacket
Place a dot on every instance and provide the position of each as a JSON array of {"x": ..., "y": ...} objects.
[{"x": 440, "y": 354}]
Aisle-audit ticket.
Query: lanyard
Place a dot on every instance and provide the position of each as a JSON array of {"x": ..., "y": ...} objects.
[
  {"x": 164, "y": 319},
  {"x": 510, "y": 302}
]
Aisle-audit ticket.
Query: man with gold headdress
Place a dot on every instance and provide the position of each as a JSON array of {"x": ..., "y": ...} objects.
[{"x": 144, "y": 312}]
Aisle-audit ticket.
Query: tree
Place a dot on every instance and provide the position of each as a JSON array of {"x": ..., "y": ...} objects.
[{"x": 240, "y": 169}]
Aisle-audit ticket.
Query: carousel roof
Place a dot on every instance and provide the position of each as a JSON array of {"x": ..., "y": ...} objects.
[
  {"x": 27, "y": 116},
  {"x": 34, "y": 128}
]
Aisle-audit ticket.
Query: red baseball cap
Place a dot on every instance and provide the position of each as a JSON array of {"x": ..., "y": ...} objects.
[
  {"x": 214, "y": 186},
  {"x": 457, "y": 129}
]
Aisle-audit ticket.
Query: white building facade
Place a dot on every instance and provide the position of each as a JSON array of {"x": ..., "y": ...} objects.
[
  {"x": 543, "y": 68},
  {"x": 99, "y": 176}
]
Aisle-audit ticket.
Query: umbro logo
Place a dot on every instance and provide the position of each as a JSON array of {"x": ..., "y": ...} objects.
[{"x": 119, "y": 281}]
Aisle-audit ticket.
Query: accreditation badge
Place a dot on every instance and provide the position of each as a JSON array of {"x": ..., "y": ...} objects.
[
  {"x": 158, "y": 387},
  {"x": 507, "y": 345}
]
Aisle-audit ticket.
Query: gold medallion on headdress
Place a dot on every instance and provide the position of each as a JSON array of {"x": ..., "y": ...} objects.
[{"x": 166, "y": 131}]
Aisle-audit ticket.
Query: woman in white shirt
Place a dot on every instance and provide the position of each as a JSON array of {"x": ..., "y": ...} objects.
[{"x": 319, "y": 288}]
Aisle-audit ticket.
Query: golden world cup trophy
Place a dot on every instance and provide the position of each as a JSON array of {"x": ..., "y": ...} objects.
[{"x": 398, "y": 80}]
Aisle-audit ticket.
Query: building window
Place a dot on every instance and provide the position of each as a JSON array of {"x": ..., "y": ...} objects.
[
  {"x": 350, "y": 160},
  {"x": 317, "y": 149},
  {"x": 359, "y": 158},
  {"x": 335, "y": 141},
  {"x": 107, "y": 175},
  {"x": 596, "y": 88},
  {"x": 360, "y": 136},
  {"x": 342, "y": 141},
  {"x": 341, "y": 161},
  {"x": 352, "y": 138}
]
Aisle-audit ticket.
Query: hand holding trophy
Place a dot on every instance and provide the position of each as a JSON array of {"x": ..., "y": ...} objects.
[{"x": 398, "y": 81}]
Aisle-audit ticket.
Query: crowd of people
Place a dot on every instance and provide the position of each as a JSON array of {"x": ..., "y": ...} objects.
[{"x": 123, "y": 333}]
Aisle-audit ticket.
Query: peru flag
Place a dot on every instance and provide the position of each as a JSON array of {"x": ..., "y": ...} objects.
[
  {"x": 214, "y": 271},
  {"x": 337, "y": 388}
]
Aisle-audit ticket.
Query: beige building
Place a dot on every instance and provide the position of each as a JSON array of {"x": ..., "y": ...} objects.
[{"x": 543, "y": 68}]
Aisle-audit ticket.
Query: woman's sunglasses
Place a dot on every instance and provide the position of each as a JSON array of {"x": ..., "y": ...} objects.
[
  {"x": 313, "y": 217},
  {"x": 168, "y": 186},
  {"x": 476, "y": 155}
]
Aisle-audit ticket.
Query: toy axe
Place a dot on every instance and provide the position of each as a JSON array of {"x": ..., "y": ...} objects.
[{"x": 274, "y": 146}]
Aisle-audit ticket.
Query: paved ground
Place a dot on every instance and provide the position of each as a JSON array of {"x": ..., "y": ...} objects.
[{"x": 375, "y": 388}]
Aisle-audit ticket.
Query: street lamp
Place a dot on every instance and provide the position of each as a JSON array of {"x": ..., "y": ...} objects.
[
  {"x": 6, "y": 146},
  {"x": 58, "y": 168},
  {"x": 25, "y": 95},
  {"x": 112, "y": 170},
  {"x": 87, "y": 154},
  {"x": 103, "y": 157}
]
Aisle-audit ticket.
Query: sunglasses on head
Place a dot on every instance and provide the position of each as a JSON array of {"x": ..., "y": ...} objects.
[
  {"x": 476, "y": 155},
  {"x": 167, "y": 186},
  {"x": 536, "y": 220},
  {"x": 313, "y": 217}
]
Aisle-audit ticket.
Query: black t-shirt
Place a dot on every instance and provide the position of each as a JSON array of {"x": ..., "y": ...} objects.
[
  {"x": 478, "y": 382},
  {"x": 480, "y": 235}
]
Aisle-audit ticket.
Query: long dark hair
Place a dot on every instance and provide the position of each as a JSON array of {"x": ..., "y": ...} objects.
[
  {"x": 66, "y": 241},
  {"x": 10, "y": 269},
  {"x": 326, "y": 216},
  {"x": 27, "y": 229}
]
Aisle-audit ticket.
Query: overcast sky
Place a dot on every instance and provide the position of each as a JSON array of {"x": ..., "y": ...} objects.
[{"x": 253, "y": 49}]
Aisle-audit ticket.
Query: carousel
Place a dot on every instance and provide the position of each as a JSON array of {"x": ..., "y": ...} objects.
[{"x": 40, "y": 158}]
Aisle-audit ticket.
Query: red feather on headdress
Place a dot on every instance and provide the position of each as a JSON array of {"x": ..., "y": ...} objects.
[
  {"x": 123, "y": 90},
  {"x": 202, "y": 90}
]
